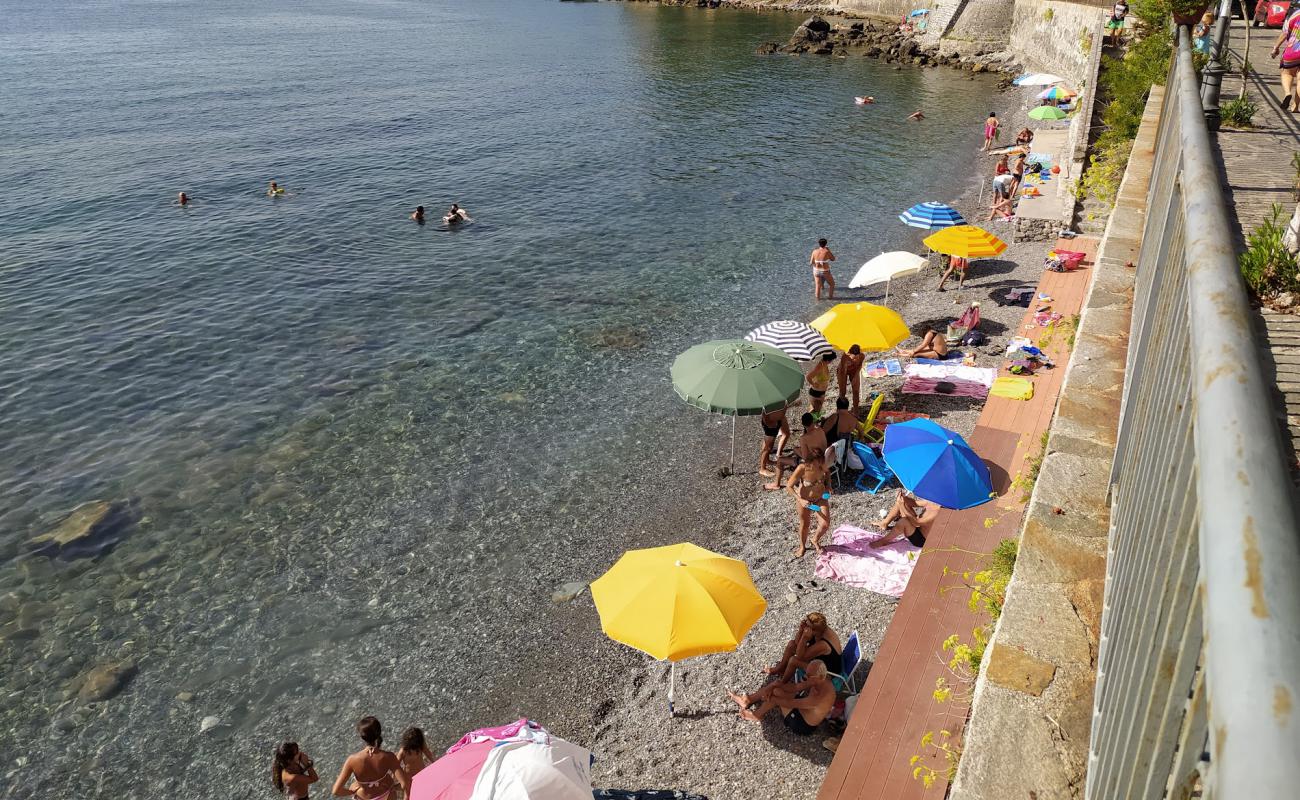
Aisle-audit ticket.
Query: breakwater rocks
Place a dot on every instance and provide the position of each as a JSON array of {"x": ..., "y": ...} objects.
[{"x": 881, "y": 40}]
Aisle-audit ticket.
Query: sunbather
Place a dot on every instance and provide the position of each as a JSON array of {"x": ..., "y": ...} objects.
[
  {"x": 809, "y": 485},
  {"x": 934, "y": 345},
  {"x": 812, "y": 445},
  {"x": 803, "y": 706},
  {"x": 814, "y": 641},
  {"x": 910, "y": 518}
]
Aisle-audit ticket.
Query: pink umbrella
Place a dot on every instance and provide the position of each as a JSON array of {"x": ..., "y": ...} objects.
[{"x": 452, "y": 776}]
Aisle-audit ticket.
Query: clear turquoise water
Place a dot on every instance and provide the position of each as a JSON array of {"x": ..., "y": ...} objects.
[{"x": 331, "y": 422}]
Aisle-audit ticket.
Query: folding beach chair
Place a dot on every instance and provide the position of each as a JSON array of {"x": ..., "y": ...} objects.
[
  {"x": 835, "y": 455},
  {"x": 867, "y": 430},
  {"x": 851, "y": 655},
  {"x": 873, "y": 469}
]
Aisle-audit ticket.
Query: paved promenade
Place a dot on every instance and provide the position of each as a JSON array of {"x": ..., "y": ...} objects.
[{"x": 1258, "y": 174}]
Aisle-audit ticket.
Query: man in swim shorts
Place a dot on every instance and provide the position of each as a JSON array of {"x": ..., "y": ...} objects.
[
  {"x": 776, "y": 431},
  {"x": 910, "y": 518},
  {"x": 803, "y": 705},
  {"x": 820, "y": 260}
]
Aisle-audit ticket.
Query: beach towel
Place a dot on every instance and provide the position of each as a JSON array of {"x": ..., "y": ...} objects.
[
  {"x": 966, "y": 381},
  {"x": 1013, "y": 388},
  {"x": 522, "y": 730},
  {"x": 849, "y": 559},
  {"x": 953, "y": 356}
]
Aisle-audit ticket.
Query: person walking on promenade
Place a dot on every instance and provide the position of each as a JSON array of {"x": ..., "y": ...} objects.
[
  {"x": 1288, "y": 44},
  {"x": 819, "y": 381},
  {"x": 1115, "y": 25},
  {"x": 991, "y": 126},
  {"x": 809, "y": 485},
  {"x": 776, "y": 432},
  {"x": 820, "y": 260},
  {"x": 414, "y": 754},
  {"x": 292, "y": 771},
  {"x": 849, "y": 374},
  {"x": 376, "y": 771}
]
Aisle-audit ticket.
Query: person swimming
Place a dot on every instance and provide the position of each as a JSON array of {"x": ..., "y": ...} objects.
[
  {"x": 274, "y": 190},
  {"x": 182, "y": 199},
  {"x": 455, "y": 215},
  {"x": 916, "y": 116},
  {"x": 418, "y": 214}
]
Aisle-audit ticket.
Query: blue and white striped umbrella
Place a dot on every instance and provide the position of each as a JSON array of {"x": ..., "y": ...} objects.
[
  {"x": 798, "y": 340},
  {"x": 931, "y": 216}
]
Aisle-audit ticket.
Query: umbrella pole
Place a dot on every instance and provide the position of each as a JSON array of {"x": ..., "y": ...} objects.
[
  {"x": 887, "y": 284},
  {"x": 672, "y": 684},
  {"x": 733, "y": 443}
]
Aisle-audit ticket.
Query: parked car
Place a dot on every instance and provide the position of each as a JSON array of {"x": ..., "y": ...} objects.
[{"x": 1271, "y": 13}]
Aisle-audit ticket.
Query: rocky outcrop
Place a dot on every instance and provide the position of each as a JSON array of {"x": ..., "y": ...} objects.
[
  {"x": 880, "y": 40},
  {"x": 91, "y": 529}
]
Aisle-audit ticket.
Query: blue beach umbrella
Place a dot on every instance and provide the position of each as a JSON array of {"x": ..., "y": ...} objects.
[
  {"x": 931, "y": 216},
  {"x": 936, "y": 464}
]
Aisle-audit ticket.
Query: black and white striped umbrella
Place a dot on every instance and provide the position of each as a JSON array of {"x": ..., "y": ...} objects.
[{"x": 800, "y": 341}]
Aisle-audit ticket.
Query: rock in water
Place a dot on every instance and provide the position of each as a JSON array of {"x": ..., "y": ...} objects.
[
  {"x": 568, "y": 591},
  {"x": 106, "y": 680},
  {"x": 92, "y": 529},
  {"x": 208, "y": 723}
]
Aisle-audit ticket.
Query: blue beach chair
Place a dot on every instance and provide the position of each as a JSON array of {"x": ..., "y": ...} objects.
[
  {"x": 873, "y": 469},
  {"x": 851, "y": 655}
]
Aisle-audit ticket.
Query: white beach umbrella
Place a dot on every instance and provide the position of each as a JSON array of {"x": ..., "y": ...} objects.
[
  {"x": 1038, "y": 79},
  {"x": 887, "y": 266},
  {"x": 800, "y": 341},
  {"x": 533, "y": 771}
]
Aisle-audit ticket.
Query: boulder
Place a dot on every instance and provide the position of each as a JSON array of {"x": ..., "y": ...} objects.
[
  {"x": 814, "y": 29},
  {"x": 92, "y": 529},
  {"x": 106, "y": 680}
]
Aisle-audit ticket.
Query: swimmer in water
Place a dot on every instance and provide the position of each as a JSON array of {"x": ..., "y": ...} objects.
[
  {"x": 182, "y": 199},
  {"x": 418, "y": 214},
  {"x": 274, "y": 190},
  {"x": 916, "y": 115},
  {"x": 455, "y": 215}
]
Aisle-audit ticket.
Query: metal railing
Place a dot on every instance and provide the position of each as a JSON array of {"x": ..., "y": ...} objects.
[{"x": 1198, "y": 673}]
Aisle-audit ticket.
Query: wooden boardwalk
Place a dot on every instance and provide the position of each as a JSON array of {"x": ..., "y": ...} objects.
[
  {"x": 896, "y": 707},
  {"x": 1258, "y": 174}
]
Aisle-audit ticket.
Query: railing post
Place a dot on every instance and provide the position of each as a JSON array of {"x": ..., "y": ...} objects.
[{"x": 1212, "y": 77}]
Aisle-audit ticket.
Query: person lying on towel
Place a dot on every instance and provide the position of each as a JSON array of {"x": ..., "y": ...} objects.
[{"x": 910, "y": 518}]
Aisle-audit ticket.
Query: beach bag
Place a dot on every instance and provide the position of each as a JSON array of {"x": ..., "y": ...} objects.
[
  {"x": 955, "y": 333},
  {"x": 974, "y": 339},
  {"x": 1022, "y": 367}
]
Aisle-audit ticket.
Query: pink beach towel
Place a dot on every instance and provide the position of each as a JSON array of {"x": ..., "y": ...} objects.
[
  {"x": 850, "y": 560},
  {"x": 522, "y": 730}
]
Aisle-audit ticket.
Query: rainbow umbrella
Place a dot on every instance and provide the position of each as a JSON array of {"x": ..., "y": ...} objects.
[
  {"x": 964, "y": 241},
  {"x": 1057, "y": 93},
  {"x": 1047, "y": 114},
  {"x": 937, "y": 464}
]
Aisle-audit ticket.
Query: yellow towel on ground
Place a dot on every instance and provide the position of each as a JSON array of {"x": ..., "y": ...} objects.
[{"x": 1013, "y": 388}]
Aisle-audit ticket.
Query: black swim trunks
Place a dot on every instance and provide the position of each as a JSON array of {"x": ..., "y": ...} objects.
[
  {"x": 798, "y": 725},
  {"x": 816, "y": 393},
  {"x": 771, "y": 432}
]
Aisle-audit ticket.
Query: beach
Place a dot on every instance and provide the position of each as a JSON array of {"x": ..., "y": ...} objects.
[{"x": 361, "y": 457}]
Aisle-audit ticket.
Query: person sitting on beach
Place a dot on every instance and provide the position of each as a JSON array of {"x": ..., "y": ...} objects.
[
  {"x": 991, "y": 126},
  {"x": 274, "y": 190},
  {"x": 916, "y": 116},
  {"x": 1002, "y": 167},
  {"x": 803, "y": 706},
  {"x": 776, "y": 432},
  {"x": 957, "y": 265},
  {"x": 376, "y": 771},
  {"x": 418, "y": 214},
  {"x": 812, "y": 445},
  {"x": 814, "y": 641},
  {"x": 910, "y": 518},
  {"x": 809, "y": 485},
  {"x": 414, "y": 755},
  {"x": 182, "y": 199},
  {"x": 1025, "y": 136},
  {"x": 819, "y": 382},
  {"x": 1001, "y": 207},
  {"x": 292, "y": 771},
  {"x": 841, "y": 424},
  {"x": 848, "y": 375},
  {"x": 455, "y": 215},
  {"x": 934, "y": 345},
  {"x": 820, "y": 260}
]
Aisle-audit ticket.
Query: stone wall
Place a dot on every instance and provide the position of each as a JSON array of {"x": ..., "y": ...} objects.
[
  {"x": 1048, "y": 36},
  {"x": 1041, "y": 665}
]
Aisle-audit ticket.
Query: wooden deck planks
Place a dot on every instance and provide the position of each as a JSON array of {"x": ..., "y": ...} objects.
[{"x": 896, "y": 707}]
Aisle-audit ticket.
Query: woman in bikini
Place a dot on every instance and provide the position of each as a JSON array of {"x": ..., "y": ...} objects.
[
  {"x": 821, "y": 259},
  {"x": 819, "y": 381},
  {"x": 957, "y": 265},
  {"x": 849, "y": 374},
  {"x": 809, "y": 486},
  {"x": 292, "y": 771},
  {"x": 934, "y": 345},
  {"x": 376, "y": 771},
  {"x": 814, "y": 641},
  {"x": 414, "y": 755}
]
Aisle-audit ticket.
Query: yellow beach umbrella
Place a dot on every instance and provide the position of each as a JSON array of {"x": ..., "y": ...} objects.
[
  {"x": 867, "y": 325},
  {"x": 965, "y": 241},
  {"x": 677, "y": 601}
]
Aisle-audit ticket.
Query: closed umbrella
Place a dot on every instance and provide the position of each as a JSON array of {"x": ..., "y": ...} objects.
[
  {"x": 931, "y": 216},
  {"x": 1047, "y": 113},
  {"x": 676, "y": 602},
  {"x": 867, "y": 325},
  {"x": 966, "y": 241},
  {"x": 736, "y": 378},
  {"x": 532, "y": 767},
  {"x": 885, "y": 267},
  {"x": 1038, "y": 79},
  {"x": 937, "y": 464},
  {"x": 798, "y": 340}
]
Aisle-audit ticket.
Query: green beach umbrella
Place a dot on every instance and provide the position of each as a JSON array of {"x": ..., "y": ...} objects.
[
  {"x": 736, "y": 378},
  {"x": 1047, "y": 113}
]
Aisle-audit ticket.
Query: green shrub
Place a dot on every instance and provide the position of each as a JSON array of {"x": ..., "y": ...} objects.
[
  {"x": 1238, "y": 112},
  {"x": 1268, "y": 267}
]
